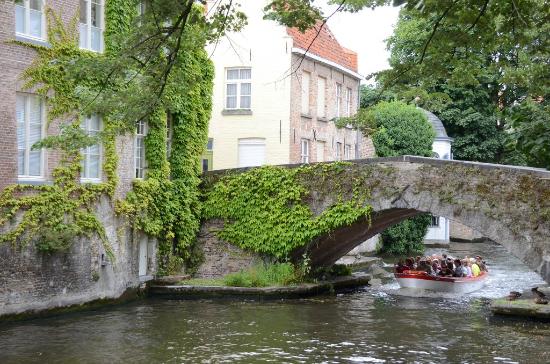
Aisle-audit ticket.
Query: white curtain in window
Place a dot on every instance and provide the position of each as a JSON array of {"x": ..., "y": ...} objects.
[
  {"x": 321, "y": 87},
  {"x": 231, "y": 91},
  {"x": 29, "y": 16},
  {"x": 306, "y": 78},
  {"x": 246, "y": 91},
  {"x": 29, "y": 131},
  {"x": 20, "y": 17},
  {"x": 91, "y": 25},
  {"x": 21, "y": 132},
  {"x": 91, "y": 155}
]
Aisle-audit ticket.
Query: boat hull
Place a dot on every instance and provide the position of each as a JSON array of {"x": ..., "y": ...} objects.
[{"x": 424, "y": 281}]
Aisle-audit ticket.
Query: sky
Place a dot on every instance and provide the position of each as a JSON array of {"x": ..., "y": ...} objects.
[{"x": 364, "y": 33}]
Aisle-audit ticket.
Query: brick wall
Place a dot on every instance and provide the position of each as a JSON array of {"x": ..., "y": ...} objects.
[
  {"x": 458, "y": 231},
  {"x": 14, "y": 59},
  {"x": 221, "y": 257},
  {"x": 321, "y": 132},
  {"x": 34, "y": 281}
]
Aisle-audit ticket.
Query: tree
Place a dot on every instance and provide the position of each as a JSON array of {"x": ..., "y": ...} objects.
[
  {"x": 498, "y": 47},
  {"x": 403, "y": 129},
  {"x": 143, "y": 59}
]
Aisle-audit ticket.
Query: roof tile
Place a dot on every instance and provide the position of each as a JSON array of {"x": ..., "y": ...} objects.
[{"x": 320, "y": 41}]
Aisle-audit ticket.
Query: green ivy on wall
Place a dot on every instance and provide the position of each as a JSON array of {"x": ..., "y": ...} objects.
[
  {"x": 265, "y": 209},
  {"x": 54, "y": 215},
  {"x": 166, "y": 204}
]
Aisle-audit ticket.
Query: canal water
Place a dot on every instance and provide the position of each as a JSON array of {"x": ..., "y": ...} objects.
[{"x": 375, "y": 325}]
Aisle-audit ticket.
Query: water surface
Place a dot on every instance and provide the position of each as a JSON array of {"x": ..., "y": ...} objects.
[{"x": 375, "y": 325}]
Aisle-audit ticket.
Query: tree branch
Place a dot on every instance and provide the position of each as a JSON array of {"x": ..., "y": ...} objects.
[{"x": 482, "y": 11}]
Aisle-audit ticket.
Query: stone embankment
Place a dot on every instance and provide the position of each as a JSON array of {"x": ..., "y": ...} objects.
[
  {"x": 525, "y": 306},
  {"x": 260, "y": 293}
]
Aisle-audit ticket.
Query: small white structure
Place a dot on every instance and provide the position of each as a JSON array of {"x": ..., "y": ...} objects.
[{"x": 441, "y": 147}]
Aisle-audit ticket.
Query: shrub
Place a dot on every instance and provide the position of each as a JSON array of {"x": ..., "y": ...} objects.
[
  {"x": 407, "y": 237},
  {"x": 280, "y": 274}
]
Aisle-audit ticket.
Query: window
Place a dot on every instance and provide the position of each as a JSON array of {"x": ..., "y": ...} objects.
[
  {"x": 91, "y": 155},
  {"x": 338, "y": 100},
  {"x": 30, "y": 129},
  {"x": 304, "y": 156},
  {"x": 435, "y": 221},
  {"x": 306, "y": 78},
  {"x": 238, "y": 88},
  {"x": 347, "y": 151},
  {"x": 91, "y": 25},
  {"x": 348, "y": 102},
  {"x": 251, "y": 152},
  {"x": 139, "y": 149},
  {"x": 321, "y": 87},
  {"x": 338, "y": 151},
  {"x": 207, "y": 157},
  {"x": 29, "y": 18},
  {"x": 320, "y": 151}
]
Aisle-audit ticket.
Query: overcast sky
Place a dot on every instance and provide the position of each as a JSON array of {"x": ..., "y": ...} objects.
[{"x": 364, "y": 33}]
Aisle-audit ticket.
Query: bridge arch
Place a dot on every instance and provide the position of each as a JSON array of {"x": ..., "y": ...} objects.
[{"x": 508, "y": 204}]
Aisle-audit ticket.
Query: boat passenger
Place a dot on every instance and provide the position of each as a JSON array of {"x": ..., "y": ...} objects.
[
  {"x": 445, "y": 271},
  {"x": 467, "y": 267},
  {"x": 475, "y": 269},
  {"x": 435, "y": 268},
  {"x": 450, "y": 264},
  {"x": 481, "y": 263},
  {"x": 416, "y": 262},
  {"x": 409, "y": 263},
  {"x": 459, "y": 269},
  {"x": 400, "y": 267}
]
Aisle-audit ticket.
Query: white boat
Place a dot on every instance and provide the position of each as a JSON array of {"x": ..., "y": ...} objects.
[{"x": 422, "y": 280}]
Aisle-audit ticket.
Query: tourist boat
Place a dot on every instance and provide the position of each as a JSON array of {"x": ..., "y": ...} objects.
[{"x": 422, "y": 280}]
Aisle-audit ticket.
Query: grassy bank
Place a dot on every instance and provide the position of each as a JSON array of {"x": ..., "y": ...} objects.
[{"x": 270, "y": 275}]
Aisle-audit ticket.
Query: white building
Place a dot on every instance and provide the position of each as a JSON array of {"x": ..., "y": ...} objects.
[
  {"x": 275, "y": 103},
  {"x": 441, "y": 147}
]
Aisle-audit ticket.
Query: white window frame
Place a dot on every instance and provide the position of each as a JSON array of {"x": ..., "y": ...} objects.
[
  {"x": 338, "y": 151},
  {"x": 238, "y": 82},
  {"x": 321, "y": 107},
  {"x": 338, "y": 100},
  {"x": 140, "y": 164},
  {"x": 348, "y": 101},
  {"x": 27, "y": 10},
  {"x": 85, "y": 162},
  {"x": 304, "y": 151},
  {"x": 251, "y": 141},
  {"x": 25, "y": 175},
  {"x": 88, "y": 24},
  {"x": 347, "y": 151},
  {"x": 306, "y": 93}
]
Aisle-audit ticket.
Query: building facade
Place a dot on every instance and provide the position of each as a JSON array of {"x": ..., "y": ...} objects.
[
  {"x": 30, "y": 279},
  {"x": 277, "y": 93},
  {"x": 439, "y": 230}
]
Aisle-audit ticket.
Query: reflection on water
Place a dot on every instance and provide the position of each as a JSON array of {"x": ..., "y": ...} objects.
[{"x": 371, "y": 326}]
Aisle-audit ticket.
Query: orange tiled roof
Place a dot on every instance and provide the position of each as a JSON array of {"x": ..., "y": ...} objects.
[{"x": 325, "y": 45}]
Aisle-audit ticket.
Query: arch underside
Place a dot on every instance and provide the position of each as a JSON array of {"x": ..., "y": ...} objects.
[{"x": 326, "y": 250}]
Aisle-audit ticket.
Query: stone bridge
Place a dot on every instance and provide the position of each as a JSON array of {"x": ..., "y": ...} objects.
[{"x": 508, "y": 204}]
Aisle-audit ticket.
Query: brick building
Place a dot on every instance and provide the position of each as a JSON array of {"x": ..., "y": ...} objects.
[
  {"x": 23, "y": 114},
  {"x": 29, "y": 279},
  {"x": 277, "y": 92}
]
